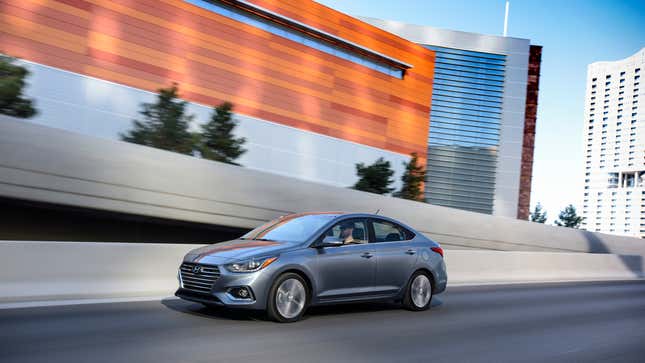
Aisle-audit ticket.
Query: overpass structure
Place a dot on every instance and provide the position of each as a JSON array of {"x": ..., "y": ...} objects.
[{"x": 55, "y": 167}]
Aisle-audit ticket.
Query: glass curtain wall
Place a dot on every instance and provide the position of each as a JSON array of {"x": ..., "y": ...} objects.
[{"x": 464, "y": 129}]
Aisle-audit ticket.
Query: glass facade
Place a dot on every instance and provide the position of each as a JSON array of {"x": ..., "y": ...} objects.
[
  {"x": 464, "y": 129},
  {"x": 296, "y": 36}
]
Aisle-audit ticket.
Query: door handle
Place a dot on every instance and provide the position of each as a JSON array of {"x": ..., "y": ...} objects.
[
  {"x": 410, "y": 252},
  {"x": 366, "y": 255}
]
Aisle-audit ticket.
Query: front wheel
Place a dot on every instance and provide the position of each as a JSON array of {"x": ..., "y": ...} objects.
[
  {"x": 288, "y": 298},
  {"x": 418, "y": 294}
]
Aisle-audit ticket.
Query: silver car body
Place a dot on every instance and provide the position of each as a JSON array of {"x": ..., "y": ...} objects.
[{"x": 348, "y": 273}]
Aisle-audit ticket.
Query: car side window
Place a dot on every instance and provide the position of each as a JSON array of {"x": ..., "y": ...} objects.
[
  {"x": 353, "y": 231},
  {"x": 385, "y": 231}
]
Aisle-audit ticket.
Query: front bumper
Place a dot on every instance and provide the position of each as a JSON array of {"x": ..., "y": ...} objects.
[
  {"x": 220, "y": 292},
  {"x": 199, "y": 297}
]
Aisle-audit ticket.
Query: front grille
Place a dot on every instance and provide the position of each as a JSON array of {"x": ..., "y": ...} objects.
[{"x": 201, "y": 281}]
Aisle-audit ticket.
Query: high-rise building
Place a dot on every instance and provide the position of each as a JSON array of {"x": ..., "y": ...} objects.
[
  {"x": 482, "y": 121},
  {"x": 614, "y": 135}
]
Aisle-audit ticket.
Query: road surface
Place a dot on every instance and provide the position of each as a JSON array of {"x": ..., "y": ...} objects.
[{"x": 566, "y": 322}]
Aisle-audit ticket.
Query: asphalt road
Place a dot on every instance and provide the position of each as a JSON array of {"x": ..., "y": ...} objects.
[{"x": 515, "y": 323}]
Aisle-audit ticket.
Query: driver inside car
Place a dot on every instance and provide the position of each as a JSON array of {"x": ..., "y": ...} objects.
[{"x": 347, "y": 233}]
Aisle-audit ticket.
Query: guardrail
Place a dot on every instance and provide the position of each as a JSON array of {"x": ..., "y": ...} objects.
[
  {"x": 38, "y": 271},
  {"x": 43, "y": 164}
]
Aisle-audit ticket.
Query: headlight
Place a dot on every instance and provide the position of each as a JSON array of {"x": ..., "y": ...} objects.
[{"x": 251, "y": 265}]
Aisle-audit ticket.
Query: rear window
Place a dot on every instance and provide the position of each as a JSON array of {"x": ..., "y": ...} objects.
[{"x": 385, "y": 231}]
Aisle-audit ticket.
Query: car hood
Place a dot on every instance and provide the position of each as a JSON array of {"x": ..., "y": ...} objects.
[{"x": 237, "y": 250}]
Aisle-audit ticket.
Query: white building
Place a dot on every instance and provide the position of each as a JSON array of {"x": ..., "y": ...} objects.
[{"x": 614, "y": 134}]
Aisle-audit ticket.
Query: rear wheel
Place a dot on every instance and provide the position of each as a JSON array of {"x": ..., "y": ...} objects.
[
  {"x": 418, "y": 294},
  {"x": 288, "y": 298}
]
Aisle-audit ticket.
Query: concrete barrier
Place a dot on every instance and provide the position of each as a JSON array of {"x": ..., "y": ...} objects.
[
  {"x": 32, "y": 271},
  {"x": 479, "y": 267},
  {"x": 39, "y": 271}
]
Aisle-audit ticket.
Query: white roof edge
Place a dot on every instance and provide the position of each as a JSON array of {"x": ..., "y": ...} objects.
[
  {"x": 440, "y": 29},
  {"x": 633, "y": 57}
]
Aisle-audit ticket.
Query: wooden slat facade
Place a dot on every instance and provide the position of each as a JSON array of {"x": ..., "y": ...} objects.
[{"x": 149, "y": 44}]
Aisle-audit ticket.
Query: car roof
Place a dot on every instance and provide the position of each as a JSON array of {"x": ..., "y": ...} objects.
[{"x": 340, "y": 214}]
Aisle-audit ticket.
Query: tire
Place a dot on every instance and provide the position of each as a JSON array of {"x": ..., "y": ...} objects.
[
  {"x": 288, "y": 298},
  {"x": 417, "y": 291}
]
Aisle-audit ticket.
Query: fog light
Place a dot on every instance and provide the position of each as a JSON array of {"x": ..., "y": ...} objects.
[{"x": 241, "y": 292}]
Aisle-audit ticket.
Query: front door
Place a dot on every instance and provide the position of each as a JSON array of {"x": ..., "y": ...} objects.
[{"x": 348, "y": 270}]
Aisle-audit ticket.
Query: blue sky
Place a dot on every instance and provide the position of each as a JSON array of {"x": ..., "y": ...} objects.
[{"x": 573, "y": 33}]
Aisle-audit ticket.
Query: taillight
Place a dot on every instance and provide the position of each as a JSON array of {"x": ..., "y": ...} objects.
[{"x": 438, "y": 250}]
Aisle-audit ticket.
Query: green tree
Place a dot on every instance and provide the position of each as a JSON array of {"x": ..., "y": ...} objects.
[
  {"x": 538, "y": 215},
  {"x": 412, "y": 179},
  {"x": 217, "y": 141},
  {"x": 569, "y": 218},
  {"x": 375, "y": 178},
  {"x": 12, "y": 82},
  {"x": 165, "y": 124}
]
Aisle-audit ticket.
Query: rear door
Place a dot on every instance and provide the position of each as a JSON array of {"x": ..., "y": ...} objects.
[{"x": 395, "y": 255}]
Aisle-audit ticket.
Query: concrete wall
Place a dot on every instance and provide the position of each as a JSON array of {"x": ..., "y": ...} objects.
[
  {"x": 37, "y": 271},
  {"x": 54, "y": 166},
  {"x": 476, "y": 267}
]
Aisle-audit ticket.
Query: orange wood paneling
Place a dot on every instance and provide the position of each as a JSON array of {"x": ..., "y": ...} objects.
[{"x": 149, "y": 44}]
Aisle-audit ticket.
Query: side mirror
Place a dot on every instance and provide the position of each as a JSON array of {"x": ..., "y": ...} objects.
[{"x": 330, "y": 241}]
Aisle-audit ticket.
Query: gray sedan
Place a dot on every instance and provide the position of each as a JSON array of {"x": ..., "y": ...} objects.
[{"x": 301, "y": 260}]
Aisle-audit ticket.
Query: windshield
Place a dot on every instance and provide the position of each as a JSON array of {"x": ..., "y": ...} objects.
[{"x": 296, "y": 228}]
